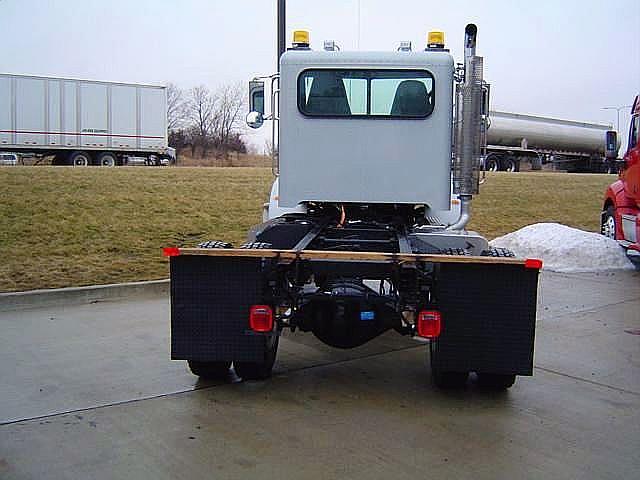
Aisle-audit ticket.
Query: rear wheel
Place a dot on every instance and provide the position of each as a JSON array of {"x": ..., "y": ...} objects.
[
  {"x": 492, "y": 163},
  {"x": 262, "y": 369},
  {"x": 107, "y": 159},
  {"x": 209, "y": 370},
  {"x": 442, "y": 378},
  {"x": 498, "y": 252},
  {"x": 80, "y": 159},
  {"x": 496, "y": 381},
  {"x": 608, "y": 225},
  {"x": 510, "y": 164}
]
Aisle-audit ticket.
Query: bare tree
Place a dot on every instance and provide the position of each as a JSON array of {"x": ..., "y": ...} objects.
[
  {"x": 229, "y": 105},
  {"x": 177, "y": 111},
  {"x": 202, "y": 112}
]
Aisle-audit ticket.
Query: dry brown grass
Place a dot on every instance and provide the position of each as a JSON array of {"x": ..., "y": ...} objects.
[
  {"x": 510, "y": 201},
  {"x": 61, "y": 226},
  {"x": 232, "y": 160}
]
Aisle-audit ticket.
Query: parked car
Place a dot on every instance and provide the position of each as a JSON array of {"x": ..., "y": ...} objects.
[{"x": 8, "y": 158}]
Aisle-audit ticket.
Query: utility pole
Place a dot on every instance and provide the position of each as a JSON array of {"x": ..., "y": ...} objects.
[
  {"x": 282, "y": 30},
  {"x": 617, "y": 109}
]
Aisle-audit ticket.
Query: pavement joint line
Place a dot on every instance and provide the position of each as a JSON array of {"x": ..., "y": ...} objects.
[
  {"x": 195, "y": 388},
  {"x": 586, "y": 380},
  {"x": 320, "y": 365},
  {"x": 599, "y": 280},
  {"x": 590, "y": 309}
]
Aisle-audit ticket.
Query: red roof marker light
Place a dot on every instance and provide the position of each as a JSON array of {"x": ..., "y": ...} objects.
[{"x": 171, "y": 251}]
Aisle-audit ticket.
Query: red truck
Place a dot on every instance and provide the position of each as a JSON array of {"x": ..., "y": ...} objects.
[{"x": 621, "y": 213}]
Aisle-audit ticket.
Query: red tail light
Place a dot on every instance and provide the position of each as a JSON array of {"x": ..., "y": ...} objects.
[
  {"x": 533, "y": 263},
  {"x": 171, "y": 251},
  {"x": 261, "y": 318},
  {"x": 429, "y": 323}
]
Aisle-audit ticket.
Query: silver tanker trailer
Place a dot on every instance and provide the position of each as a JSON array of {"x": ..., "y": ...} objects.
[{"x": 513, "y": 138}]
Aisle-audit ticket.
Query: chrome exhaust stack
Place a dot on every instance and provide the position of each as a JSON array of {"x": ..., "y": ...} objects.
[{"x": 469, "y": 125}]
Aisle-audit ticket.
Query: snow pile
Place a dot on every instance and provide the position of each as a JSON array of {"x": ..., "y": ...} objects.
[{"x": 565, "y": 249}]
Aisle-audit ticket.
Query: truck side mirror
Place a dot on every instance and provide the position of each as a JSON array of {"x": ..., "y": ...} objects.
[
  {"x": 255, "y": 117},
  {"x": 611, "y": 145},
  {"x": 256, "y": 96}
]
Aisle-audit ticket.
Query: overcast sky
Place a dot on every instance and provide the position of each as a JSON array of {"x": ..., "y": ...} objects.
[{"x": 566, "y": 59}]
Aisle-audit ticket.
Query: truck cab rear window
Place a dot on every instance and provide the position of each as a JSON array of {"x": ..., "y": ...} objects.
[{"x": 366, "y": 93}]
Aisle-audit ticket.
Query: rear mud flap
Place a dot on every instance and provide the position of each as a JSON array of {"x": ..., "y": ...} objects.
[
  {"x": 210, "y": 302},
  {"x": 488, "y": 318}
]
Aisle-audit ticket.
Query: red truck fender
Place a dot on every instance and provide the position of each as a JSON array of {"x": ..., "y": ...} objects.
[{"x": 623, "y": 205}]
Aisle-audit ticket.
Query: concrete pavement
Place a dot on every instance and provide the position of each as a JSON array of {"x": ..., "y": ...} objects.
[{"x": 89, "y": 392}]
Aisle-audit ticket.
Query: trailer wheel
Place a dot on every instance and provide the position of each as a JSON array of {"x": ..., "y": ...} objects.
[
  {"x": 492, "y": 162},
  {"x": 496, "y": 381},
  {"x": 209, "y": 370},
  {"x": 510, "y": 164},
  {"x": 107, "y": 159},
  {"x": 445, "y": 380},
  {"x": 80, "y": 159},
  {"x": 259, "y": 370},
  {"x": 608, "y": 225}
]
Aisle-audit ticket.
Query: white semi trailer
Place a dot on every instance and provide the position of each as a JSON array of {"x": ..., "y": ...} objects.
[
  {"x": 84, "y": 122},
  {"x": 569, "y": 145}
]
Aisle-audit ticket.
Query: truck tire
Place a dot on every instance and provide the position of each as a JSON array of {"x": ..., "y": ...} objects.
[
  {"x": 259, "y": 370},
  {"x": 492, "y": 162},
  {"x": 444, "y": 379},
  {"x": 107, "y": 159},
  {"x": 496, "y": 381},
  {"x": 258, "y": 245},
  {"x": 209, "y": 370},
  {"x": 498, "y": 252},
  {"x": 60, "y": 159},
  {"x": 510, "y": 164},
  {"x": 79, "y": 159},
  {"x": 608, "y": 224},
  {"x": 214, "y": 244}
]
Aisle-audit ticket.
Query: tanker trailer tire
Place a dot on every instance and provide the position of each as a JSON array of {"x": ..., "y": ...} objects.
[
  {"x": 210, "y": 370},
  {"x": 608, "y": 224},
  {"x": 445, "y": 380},
  {"x": 495, "y": 381},
  {"x": 510, "y": 164},
  {"x": 492, "y": 162},
  {"x": 79, "y": 159},
  {"x": 259, "y": 370},
  {"x": 107, "y": 159}
]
